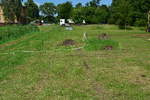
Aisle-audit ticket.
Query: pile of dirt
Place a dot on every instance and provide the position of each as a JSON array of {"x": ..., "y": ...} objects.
[
  {"x": 103, "y": 36},
  {"x": 108, "y": 47},
  {"x": 68, "y": 42}
]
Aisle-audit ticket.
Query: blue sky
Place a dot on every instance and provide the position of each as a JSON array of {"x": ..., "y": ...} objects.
[{"x": 107, "y": 2}]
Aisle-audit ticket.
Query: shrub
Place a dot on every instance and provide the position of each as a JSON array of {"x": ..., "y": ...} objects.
[
  {"x": 97, "y": 44},
  {"x": 140, "y": 22},
  {"x": 15, "y": 31}
]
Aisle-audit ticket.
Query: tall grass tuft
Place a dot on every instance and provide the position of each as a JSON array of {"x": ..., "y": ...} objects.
[{"x": 14, "y": 31}]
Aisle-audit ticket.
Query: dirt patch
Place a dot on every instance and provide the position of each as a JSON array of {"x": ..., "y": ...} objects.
[
  {"x": 142, "y": 35},
  {"x": 108, "y": 47},
  {"x": 68, "y": 42},
  {"x": 143, "y": 75}
]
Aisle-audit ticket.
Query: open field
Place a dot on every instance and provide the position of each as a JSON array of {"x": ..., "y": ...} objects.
[{"x": 35, "y": 67}]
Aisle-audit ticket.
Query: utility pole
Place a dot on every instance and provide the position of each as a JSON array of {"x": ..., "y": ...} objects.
[{"x": 148, "y": 24}]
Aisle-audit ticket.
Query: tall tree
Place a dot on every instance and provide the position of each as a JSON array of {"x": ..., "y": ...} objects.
[
  {"x": 123, "y": 12},
  {"x": 78, "y": 15},
  {"x": 32, "y": 10},
  {"x": 93, "y": 3},
  {"x": 79, "y": 5},
  {"x": 102, "y": 14},
  {"x": 64, "y": 10},
  {"x": 48, "y": 10},
  {"x": 137, "y": 12}
]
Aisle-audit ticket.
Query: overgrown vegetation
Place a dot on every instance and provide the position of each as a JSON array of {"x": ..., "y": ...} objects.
[{"x": 15, "y": 31}]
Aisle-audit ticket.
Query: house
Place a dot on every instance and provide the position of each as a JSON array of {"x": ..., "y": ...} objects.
[{"x": 22, "y": 19}]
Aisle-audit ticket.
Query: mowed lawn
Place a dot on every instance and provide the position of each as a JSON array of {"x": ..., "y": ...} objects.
[{"x": 36, "y": 67}]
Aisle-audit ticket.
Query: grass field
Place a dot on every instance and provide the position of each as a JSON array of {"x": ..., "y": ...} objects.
[{"x": 34, "y": 67}]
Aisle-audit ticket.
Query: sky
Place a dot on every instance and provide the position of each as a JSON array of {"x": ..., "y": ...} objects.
[{"x": 39, "y": 2}]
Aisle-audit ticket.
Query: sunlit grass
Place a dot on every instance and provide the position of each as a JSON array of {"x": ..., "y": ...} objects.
[{"x": 52, "y": 72}]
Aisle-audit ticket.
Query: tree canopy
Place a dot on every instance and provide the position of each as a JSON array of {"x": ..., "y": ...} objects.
[
  {"x": 121, "y": 12},
  {"x": 32, "y": 10},
  {"x": 64, "y": 10},
  {"x": 12, "y": 10},
  {"x": 48, "y": 11}
]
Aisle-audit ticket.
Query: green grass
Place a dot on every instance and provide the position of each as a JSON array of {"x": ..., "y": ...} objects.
[
  {"x": 14, "y": 31},
  {"x": 99, "y": 44},
  {"x": 58, "y": 73}
]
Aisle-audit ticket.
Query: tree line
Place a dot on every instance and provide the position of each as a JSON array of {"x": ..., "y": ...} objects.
[{"x": 121, "y": 12}]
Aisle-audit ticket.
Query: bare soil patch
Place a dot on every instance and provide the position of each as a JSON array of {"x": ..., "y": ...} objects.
[
  {"x": 68, "y": 42},
  {"x": 142, "y": 35},
  {"x": 108, "y": 47}
]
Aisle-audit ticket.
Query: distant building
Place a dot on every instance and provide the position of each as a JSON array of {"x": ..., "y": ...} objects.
[
  {"x": 22, "y": 19},
  {"x": 66, "y": 22}
]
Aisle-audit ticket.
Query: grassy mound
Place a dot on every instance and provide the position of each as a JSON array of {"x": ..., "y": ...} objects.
[
  {"x": 15, "y": 31},
  {"x": 98, "y": 44}
]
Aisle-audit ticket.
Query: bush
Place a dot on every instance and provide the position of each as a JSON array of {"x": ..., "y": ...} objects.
[
  {"x": 97, "y": 44},
  {"x": 141, "y": 22},
  {"x": 15, "y": 31}
]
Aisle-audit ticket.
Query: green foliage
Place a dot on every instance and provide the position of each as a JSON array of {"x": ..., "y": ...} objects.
[
  {"x": 93, "y": 3},
  {"x": 121, "y": 13},
  {"x": 48, "y": 11},
  {"x": 97, "y": 44},
  {"x": 32, "y": 10},
  {"x": 91, "y": 14},
  {"x": 102, "y": 14},
  {"x": 64, "y": 10},
  {"x": 77, "y": 15},
  {"x": 140, "y": 22},
  {"x": 129, "y": 12},
  {"x": 15, "y": 31},
  {"x": 79, "y": 5},
  {"x": 12, "y": 10}
]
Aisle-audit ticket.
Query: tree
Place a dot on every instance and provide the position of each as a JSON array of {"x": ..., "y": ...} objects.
[
  {"x": 64, "y": 10},
  {"x": 93, "y": 3},
  {"x": 12, "y": 10},
  {"x": 121, "y": 11},
  {"x": 79, "y": 5},
  {"x": 137, "y": 11},
  {"x": 78, "y": 15},
  {"x": 32, "y": 10},
  {"x": 48, "y": 10},
  {"x": 102, "y": 14}
]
